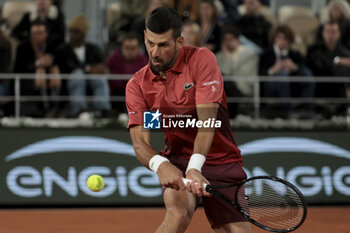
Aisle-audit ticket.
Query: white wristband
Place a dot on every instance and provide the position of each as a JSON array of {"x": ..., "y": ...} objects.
[
  {"x": 156, "y": 161},
  {"x": 196, "y": 162}
]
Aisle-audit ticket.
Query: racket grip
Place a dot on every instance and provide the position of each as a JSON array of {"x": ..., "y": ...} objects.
[{"x": 188, "y": 180}]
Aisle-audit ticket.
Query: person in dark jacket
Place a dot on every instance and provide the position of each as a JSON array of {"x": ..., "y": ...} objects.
[
  {"x": 78, "y": 58},
  {"x": 5, "y": 58},
  {"x": 324, "y": 61},
  {"x": 45, "y": 11},
  {"x": 338, "y": 11},
  {"x": 5, "y": 67},
  {"x": 281, "y": 60},
  {"x": 37, "y": 56},
  {"x": 253, "y": 25}
]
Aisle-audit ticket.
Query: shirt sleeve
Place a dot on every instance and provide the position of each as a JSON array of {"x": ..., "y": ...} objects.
[
  {"x": 135, "y": 102},
  {"x": 209, "y": 81}
]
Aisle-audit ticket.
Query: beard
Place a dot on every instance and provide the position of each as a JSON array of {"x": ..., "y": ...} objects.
[{"x": 163, "y": 66}]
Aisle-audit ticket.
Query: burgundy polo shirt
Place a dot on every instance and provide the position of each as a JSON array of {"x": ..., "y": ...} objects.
[{"x": 194, "y": 79}]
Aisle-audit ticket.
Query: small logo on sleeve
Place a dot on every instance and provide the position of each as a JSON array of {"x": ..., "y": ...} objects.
[
  {"x": 151, "y": 120},
  {"x": 188, "y": 86}
]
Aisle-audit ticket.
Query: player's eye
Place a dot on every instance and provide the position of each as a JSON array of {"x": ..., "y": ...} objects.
[{"x": 163, "y": 45}]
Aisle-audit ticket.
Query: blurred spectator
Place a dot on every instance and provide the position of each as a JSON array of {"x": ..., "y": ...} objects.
[
  {"x": 323, "y": 60},
  {"x": 237, "y": 60},
  {"x": 133, "y": 8},
  {"x": 339, "y": 11},
  {"x": 58, "y": 4},
  {"x": 280, "y": 60},
  {"x": 48, "y": 13},
  {"x": 78, "y": 58},
  {"x": 36, "y": 56},
  {"x": 130, "y": 13},
  {"x": 230, "y": 13},
  {"x": 191, "y": 32},
  {"x": 187, "y": 9},
  {"x": 208, "y": 20},
  {"x": 253, "y": 25},
  {"x": 5, "y": 58},
  {"x": 126, "y": 60},
  {"x": 138, "y": 25}
]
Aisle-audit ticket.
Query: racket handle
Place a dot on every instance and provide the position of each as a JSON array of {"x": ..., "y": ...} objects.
[{"x": 188, "y": 180}]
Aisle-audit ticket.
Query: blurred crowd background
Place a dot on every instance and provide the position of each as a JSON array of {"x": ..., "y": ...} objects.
[{"x": 253, "y": 40}]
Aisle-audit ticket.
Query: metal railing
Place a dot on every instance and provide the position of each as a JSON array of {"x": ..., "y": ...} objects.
[{"x": 256, "y": 99}]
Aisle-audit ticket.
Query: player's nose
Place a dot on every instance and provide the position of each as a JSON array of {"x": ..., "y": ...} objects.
[{"x": 155, "y": 52}]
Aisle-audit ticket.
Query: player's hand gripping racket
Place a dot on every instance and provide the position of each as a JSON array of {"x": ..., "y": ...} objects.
[{"x": 268, "y": 202}]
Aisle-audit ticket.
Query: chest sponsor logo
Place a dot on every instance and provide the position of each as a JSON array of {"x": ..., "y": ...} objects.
[{"x": 188, "y": 86}]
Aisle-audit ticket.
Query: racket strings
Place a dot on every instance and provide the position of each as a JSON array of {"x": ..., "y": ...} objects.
[{"x": 271, "y": 203}]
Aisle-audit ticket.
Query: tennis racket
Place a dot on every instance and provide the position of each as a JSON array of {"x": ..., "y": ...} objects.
[{"x": 268, "y": 202}]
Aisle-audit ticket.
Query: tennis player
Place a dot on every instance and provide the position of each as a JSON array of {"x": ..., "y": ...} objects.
[{"x": 181, "y": 80}]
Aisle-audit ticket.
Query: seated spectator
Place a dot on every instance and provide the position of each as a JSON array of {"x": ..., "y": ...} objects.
[
  {"x": 323, "y": 60},
  {"x": 253, "y": 25},
  {"x": 5, "y": 63},
  {"x": 5, "y": 58},
  {"x": 191, "y": 32},
  {"x": 339, "y": 11},
  {"x": 36, "y": 56},
  {"x": 208, "y": 20},
  {"x": 78, "y": 57},
  {"x": 281, "y": 60},
  {"x": 48, "y": 13},
  {"x": 237, "y": 60},
  {"x": 126, "y": 60}
]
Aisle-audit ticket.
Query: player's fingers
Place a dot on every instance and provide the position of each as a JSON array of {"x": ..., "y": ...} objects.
[
  {"x": 181, "y": 185},
  {"x": 199, "y": 189},
  {"x": 193, "y": 188},
  {"x": 173, "y": 186},
  {"x": 188, "y": 187}
]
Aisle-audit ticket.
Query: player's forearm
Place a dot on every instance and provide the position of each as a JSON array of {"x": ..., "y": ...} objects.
[
  {"x": 205, "y": 135},
  {"x": 141, "y": 140},
  {"x": 144, "y": 152},
  {"x": 203, "y": 141}
]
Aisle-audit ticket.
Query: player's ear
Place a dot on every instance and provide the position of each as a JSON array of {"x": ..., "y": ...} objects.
[{"x": 179, "y": 42}]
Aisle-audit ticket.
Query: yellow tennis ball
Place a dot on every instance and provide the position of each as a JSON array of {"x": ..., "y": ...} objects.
[{"x": 95, "y": 183}]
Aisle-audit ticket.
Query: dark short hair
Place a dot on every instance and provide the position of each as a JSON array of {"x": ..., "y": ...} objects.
[
  {"x": 232, "y": 31},
  {"x": 38, "y": 22},
  {"x": 162, "y": 19},
  {"x": 131, "y": 36},
  {"x": 286, "y": 31},
  {"x": 332, "y": 22}
]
